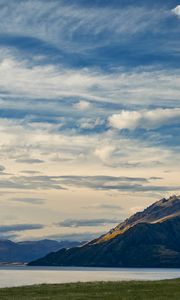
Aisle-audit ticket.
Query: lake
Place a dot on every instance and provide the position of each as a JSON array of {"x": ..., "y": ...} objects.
[{"x": 22, "y": 275}]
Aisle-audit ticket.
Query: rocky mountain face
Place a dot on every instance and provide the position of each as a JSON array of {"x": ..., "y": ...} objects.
[
  {"x": 11, "y": 252},
  {"x": 147, "y": 239}
]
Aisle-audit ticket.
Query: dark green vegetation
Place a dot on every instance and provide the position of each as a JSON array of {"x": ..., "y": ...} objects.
[
  {"x": 147, "y": 239},
  {"x": 26, "y": 251},
  {"x": 159, "y": 290}
]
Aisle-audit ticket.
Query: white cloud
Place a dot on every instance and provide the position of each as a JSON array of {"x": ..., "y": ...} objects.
[
  {"x": 76, "y": 151},
  {"x": 82, "y": 105},
  {"x": 49, "y": 81},
  {"x": 148, "y": 119},
  {"x": 176, "y": 11},
  {"x": 104, "y": 153},
  {"x": 42, "y": 81}
]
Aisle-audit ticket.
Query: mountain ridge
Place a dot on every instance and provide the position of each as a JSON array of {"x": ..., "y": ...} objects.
[
  {"x": 25, "y": 251},
  {"x": 145, "y": 216},
  {"x": 150, "y": 238}
]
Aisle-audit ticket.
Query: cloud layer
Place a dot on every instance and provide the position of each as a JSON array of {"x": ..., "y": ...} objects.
[{"x": 89, "y": 105}]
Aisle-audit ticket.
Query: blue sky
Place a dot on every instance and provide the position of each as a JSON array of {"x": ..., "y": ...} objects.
[{"x": 89, "y": 113}]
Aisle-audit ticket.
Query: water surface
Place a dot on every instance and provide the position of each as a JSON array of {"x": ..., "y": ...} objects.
[{"x": 20, "y": 276}]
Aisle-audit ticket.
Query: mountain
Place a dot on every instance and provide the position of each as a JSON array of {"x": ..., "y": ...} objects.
[
  {"x": 26, "y": 251},
  {"x": 158, "y": 211},
  {"x": 147, "y": 239}
]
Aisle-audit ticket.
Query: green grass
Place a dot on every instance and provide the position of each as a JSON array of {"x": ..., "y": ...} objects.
[{"x": 136, "y": 290}]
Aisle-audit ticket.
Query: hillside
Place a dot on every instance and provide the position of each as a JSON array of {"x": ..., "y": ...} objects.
[{"x": 147, "y": 239}]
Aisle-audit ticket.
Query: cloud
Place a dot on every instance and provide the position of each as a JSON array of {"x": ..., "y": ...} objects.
[
  {"x": 87, "y": 223},
  {"x": 131, "y": 184},
  {"x": 47, "y": 81},
  {"x": 2, "y": 168},
  {"x": 57, "y": 82},
  {"x": 176, "y": 11},
  {"x": 101, "y": 183},
  {"x": 92, "y": 124},
  {"x": 70, "y": 179},
  {"x": 29, "y": 161},
  {"x": 31, "y": 183},
  {"x": 82, "y": 105},
  {"x": 147, "y": 119},
  {"x": 59, "y": 24},
  {"x": 104, "y": 152},
  {"x": 19, "y": 227},
  {"x": 105, "y": 207},
  {"x": 34, "y": 200},
  {"x": 31, "y": 172},
  {"x": 8, "y": 236},
  {"x": 156, "y": 178},
  {"x": 76, "y": 236},
  {"x": 51, "y": 144}
]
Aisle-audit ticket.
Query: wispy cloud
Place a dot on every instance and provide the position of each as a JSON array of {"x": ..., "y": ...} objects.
[
  {"x": 100, "y": 183},
  {"x": 60, "y": 24},
  {"x": 29, "y": 161},
  {"x": 131, "y": 184},
  {"x": 19, "y": 227},
  {"x": 87, "y": 223},
  {"x": 34, "y": 201},
  {"x": 51, "y": 81},
  {"x": 31, "y": 172},
  {"x": 30, "y": 183},
  {"x": 110, "y": 207},
  {"x": 76, "y": 236}
]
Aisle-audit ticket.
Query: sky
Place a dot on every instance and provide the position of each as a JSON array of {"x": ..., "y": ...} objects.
[{"x": 89, "y": 114}]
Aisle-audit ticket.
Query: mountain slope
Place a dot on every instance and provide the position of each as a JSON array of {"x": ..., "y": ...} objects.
[
  {"x": 147, "y": 239},
  {"x": 159, "y": 210},
  {"x": 28, "y": 250}
]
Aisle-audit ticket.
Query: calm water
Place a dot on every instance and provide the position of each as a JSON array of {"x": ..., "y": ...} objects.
[{"x": 19, "y": 276}]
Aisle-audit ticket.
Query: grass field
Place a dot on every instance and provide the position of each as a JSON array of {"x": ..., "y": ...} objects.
[{"x": 161, "y": 290}]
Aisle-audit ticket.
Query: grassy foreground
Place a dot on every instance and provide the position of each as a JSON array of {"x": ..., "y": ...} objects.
[{"x": 161, "y": 290}]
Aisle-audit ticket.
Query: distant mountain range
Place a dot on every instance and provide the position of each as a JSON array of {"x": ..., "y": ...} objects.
[
  {"x": 22, "y": 252},
  {"x": 150, "y": 238}
]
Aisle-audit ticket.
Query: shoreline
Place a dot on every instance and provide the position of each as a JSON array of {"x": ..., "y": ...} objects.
[
  {"x": 19, "y": 264},
  {"x": 126, "y": 281}
]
